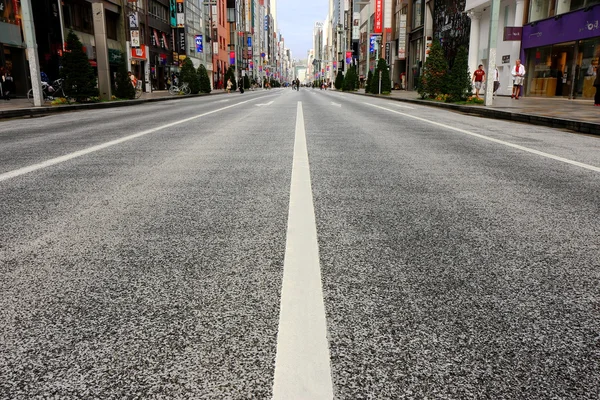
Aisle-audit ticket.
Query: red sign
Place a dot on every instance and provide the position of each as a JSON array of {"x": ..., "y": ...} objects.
[
  {"x": 138, "y": 53},
  {"x": 377, "y": 28}
]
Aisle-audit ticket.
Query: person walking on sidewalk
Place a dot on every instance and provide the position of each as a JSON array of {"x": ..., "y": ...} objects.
[
  {"x": 518, "y": 72},
  {"x": 478, "y": 76},
  {"x": 597, "y": 86},
  {"x": 6, "y": 83},
  {"x": 229, "y": 85},
  {"x": 496, "y": 82}
]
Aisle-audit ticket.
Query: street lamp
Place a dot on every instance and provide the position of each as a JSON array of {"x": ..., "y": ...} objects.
[{"x": 368, "y": 45}]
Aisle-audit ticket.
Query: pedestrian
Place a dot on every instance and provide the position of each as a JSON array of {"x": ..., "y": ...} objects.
[
  {"x": 496, "y": 81},
  {"x": 6, "y": 83},
  {"x": 478, "y": 79},
  {"x": 229, "y": 85},
  {"x": 597, "y": 86},
  {"x": 518, "y": 72},
  {"x": 132, "y": 78},
  {"x": 241, "y": 85}
]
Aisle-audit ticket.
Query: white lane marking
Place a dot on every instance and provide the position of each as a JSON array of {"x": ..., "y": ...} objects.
[
  {"x": 403, "y": 106},
  {"x": 515, "y": 146},
  {"x": 223, "y": 101},
  {"x": 67, "y": 157},
  {"x": 302, "y": 369},
  {"x": 336, "y": 104},
  {"x": 265, "y": 104}
]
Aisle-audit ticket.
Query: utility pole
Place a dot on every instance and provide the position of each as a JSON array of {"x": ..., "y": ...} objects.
[
  {"x": 32, "y": 53},
  {"x": 491, "y": 73}
]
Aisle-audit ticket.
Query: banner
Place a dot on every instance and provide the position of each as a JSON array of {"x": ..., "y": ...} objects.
[
  {"x": 199, "y": 47},
  {"x": 378, "y": 24},
  {"x": 372, "y": 43},
  {"x": 348, "y": 57},
  {"x": 232, "y": 57},
  {"x": 356, "y": 26}
]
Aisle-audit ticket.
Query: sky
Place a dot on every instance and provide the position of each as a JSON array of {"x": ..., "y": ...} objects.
[{"x": 296, "y": 20}]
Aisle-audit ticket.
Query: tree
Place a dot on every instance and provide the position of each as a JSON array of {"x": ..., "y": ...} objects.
[
  {"x": 79, "y": 76},
  {"x": 386, "y": 84},
  {"x": 230, "y": 74},
  {"x": 372, "y": 83},
  {"x": 433, "y": 80},
  {"x": 189, "y": 75},
  {"x": 339, "y": 80},
  {"x": 124, "y": 89},
  {"x": 350, "y": 79},
  {"x": 204, "y": 79},
  {"x": 459, "y": 83}
]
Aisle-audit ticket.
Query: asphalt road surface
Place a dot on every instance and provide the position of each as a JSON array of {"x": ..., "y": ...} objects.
[{"x": 297, "y": 245}]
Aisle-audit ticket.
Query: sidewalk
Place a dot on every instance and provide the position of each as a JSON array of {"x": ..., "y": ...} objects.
[
  {"x": 22, "y": 107},
  {"x": 578, "y": 114}
]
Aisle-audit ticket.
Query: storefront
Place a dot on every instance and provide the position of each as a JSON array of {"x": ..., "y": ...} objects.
[
  {"x": 561, "y": 54},
  {"x": 12, "y": 47}
]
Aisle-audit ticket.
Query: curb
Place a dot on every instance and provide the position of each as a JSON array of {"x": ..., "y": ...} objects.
[
  {"x": 558, "y": 123},
  {"x": 47, "y": 110}
]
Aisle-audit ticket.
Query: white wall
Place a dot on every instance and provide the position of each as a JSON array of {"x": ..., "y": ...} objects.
[{"x": 502, "y": 48}]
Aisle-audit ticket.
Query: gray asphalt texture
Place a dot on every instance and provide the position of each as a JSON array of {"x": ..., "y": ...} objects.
[{"x": 452, "y": 267}]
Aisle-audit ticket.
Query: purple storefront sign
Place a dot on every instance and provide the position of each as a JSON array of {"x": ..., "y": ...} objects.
[
  {"x": 577, "y": 25},
  {"x": 513, "y": 33}
]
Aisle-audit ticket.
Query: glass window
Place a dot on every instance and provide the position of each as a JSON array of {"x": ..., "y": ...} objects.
[
  {"x": 540, "y": 9},
  {"x": 111, "y": 25},
  {"x": 417, "y": 13},
  {"x": 564, "y": 6}
]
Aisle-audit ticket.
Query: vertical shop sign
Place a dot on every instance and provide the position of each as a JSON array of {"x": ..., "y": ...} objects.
[
  {"x": 402, "y": 38},
  {"x": 180, "y": 14},
  {"x": 173, "y": 12},
  {"x": 135, "y": 38},
  {"x": 388, "y": 52},
  {"x": 377, "y": 28},
  {"x": 181, "y": 41}
]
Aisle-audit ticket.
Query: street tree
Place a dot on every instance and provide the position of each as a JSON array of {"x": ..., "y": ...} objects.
[
  {"x": 123, "y": 86},
  {"x": 204, "y": 79},
  {"x": 230, "y": 75},
  {"x": 79, "y": 76},
  {"x": 459, "y": 83},
  {"x": 189, "y": 75},
  {"x": 433, "y": 80},
  {"x": 339, "y": 80},
  {"x": 386, "y": 84}
]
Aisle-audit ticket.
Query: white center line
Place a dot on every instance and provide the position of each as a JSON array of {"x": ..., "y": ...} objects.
[
  {"x": 70, "y": 156},
  {"x": 302, "y": 369},
  {"x": 515, "y": 146}
]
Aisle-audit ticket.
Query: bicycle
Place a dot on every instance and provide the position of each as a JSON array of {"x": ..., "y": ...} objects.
[
  {"x": 49, "y": 91},
  {"x": 183, "y": 89}
]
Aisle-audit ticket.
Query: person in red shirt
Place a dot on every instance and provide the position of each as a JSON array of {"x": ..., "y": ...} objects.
[{"x": 478, "y": 79}]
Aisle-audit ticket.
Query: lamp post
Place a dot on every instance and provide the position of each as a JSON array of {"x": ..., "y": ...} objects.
[{"x": 368, "y": 46}]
